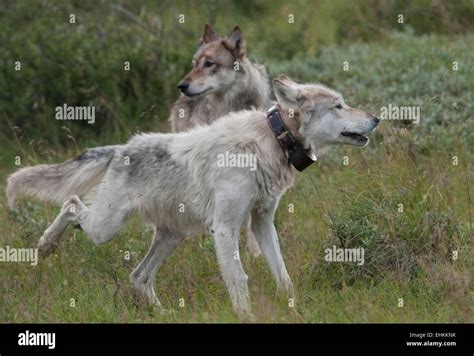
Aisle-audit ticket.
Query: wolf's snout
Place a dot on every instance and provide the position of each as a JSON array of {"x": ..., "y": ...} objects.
[
  {"x": 183, "y": 86},
  {"x": 376, "y": 119}
]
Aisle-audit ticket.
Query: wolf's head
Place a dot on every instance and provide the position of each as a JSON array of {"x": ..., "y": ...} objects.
[
  {"x": 325, "y": 119},
  {"x": 216, "y": 63}
]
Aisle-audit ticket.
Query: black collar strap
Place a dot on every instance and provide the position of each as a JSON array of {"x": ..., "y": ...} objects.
[{"x": 298, "y": 156}]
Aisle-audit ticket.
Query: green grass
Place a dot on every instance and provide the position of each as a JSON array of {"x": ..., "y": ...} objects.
[{"x": 408, "y": 254}]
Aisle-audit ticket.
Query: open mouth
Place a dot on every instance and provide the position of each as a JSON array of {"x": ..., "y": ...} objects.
[
  {"x": 192, "y": 95},
  {"x": 355, "y": 136}
]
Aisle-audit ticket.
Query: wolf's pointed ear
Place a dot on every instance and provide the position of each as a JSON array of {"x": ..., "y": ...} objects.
[
  {"x": 209, "y": 34},
  {"x": 286, "y": 90},
  {"x": 286, "y": 79},
  {"x": 236, "y": 43}
]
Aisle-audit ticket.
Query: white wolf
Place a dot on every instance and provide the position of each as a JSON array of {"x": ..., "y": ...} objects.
[{"x": 166, "y": 171}]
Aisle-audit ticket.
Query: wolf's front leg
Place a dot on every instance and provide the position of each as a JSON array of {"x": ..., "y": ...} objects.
[
  {"x": 266, "y": 235},
  {"x": 227, "y": 248}
]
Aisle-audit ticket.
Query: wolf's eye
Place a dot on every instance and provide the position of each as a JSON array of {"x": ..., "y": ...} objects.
[
  {"x": 338, "y": 106},
  {"x": 208, "y": 64}
]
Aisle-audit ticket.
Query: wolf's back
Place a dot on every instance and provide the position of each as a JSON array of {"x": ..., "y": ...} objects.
[{"x": 57, "y": 182}]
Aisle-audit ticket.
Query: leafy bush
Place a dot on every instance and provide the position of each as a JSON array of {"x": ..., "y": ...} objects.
[{"x": 83, "y": 63}]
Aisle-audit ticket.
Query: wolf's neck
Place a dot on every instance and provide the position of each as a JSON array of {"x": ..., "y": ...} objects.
[
  {"x": 251, "y": 88},
  {"x": 276, "y": 170},
  {"x": 293, "y": 121}
]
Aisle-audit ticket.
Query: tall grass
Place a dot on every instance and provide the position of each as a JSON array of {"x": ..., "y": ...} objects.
[{"x": 409, "y": 253}]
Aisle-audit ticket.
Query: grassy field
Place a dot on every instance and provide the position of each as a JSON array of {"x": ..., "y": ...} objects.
[{"x": 408, "y": 254}]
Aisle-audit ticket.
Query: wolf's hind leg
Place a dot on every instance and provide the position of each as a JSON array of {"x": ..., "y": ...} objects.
[
  {"x": 51, "y": 236},
  {"x": 100, "y": 223},
  {"x": 252, "y": 243},
  {"x": 143, "y": 277}
]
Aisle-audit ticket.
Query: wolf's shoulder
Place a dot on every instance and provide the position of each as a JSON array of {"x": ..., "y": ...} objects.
[{"x": 149, "y": 139}]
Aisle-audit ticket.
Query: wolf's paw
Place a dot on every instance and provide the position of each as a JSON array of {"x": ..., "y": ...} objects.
[
  {"x": 252, "y": 245},
  {"x": 246, "y": 316},
  {"x": 165, "y": 311},
  {"x": 45, "y": 247},
  {"x": 144, "y": 291}
]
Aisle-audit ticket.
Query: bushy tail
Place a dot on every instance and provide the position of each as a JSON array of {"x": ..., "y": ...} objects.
[{"x": 57, "y": 182}]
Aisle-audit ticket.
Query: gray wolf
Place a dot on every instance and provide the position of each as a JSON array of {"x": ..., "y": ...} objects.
[
  {"x": 222, "y": 80},
  {"x": 158, "y": 175}
]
